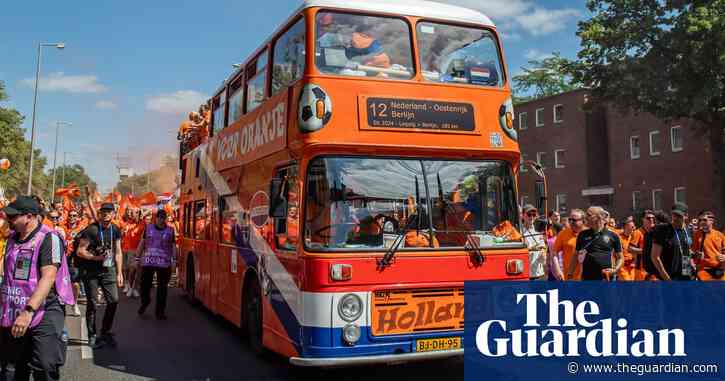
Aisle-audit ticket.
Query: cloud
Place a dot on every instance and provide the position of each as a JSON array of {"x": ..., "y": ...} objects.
[
  {"x": 544, "y": 21},
  {"x": 537, "y": 55},
  {"x": 74, "y": 84},
  {"x": 105, "y": 105},
  {"x": 179, "y": 102},
  {"x": 510, "y": 15}
]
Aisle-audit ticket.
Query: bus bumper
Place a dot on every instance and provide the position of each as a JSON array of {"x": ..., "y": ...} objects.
[{"x": 380, "y": 359}]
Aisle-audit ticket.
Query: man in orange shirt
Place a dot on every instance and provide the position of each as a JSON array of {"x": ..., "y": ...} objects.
[
  {"x": 566, "y": 243},
  {"x": 709, "y": 244},
  {"x": 637, "y": 241},
  {"x": 627, "y": 272}
]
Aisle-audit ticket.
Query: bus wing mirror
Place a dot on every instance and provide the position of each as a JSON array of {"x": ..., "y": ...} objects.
[
  {"x": 278, "y": 204},
  {"x": 540, "y": 193}
]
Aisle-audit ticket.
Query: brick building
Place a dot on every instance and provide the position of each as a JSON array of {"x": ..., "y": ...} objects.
[{"x": 626, "y": 163}]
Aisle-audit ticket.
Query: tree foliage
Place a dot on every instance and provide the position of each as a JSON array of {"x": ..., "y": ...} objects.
[
  {"x": 15, "y": 147},
  {"x": 665, "y": 57},
  {"x": 74, "y": 173},
  {"x": 545, "y": 77}
]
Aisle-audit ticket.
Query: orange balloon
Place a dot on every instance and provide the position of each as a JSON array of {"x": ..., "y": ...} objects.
[{"x": 4, "y": 164}]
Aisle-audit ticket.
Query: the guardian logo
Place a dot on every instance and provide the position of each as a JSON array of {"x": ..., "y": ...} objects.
[{"x": 580, "y": 330}]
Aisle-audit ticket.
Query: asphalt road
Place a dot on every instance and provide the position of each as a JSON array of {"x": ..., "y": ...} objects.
[{"x": 194, "y": 344}]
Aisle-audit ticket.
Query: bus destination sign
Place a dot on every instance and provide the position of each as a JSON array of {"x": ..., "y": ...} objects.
[{"x": 420, "y": 114}]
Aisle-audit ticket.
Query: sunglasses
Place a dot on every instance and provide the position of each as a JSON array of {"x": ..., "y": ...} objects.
[
  {"x": 72, "y": 215},
  {"x": 572, "y": 220},
  {"x": 55, "y": 218},
  {"x": 532, "y": 214}
]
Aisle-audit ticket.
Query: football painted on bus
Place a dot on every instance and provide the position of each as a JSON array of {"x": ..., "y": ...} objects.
[
  {"x": 259, "y": 209},
  {"x": 315, "y": 108}
]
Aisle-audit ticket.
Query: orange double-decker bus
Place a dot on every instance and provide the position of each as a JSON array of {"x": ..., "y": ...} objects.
[{"x": 361, "y": 167}]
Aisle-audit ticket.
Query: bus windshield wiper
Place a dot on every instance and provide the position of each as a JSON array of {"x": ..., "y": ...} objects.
[{"x": 387, "y": 259}]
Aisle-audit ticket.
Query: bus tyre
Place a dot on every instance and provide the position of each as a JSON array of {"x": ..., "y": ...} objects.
[
  {"x": 191, "y": 283},
  {"x": 253, "y": 317}
]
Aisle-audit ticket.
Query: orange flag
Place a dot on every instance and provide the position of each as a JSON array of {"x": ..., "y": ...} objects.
[
  {"x": 148, "y": 198},
  {"x": 169, "y": 209},
  {"x": 108, "y": 198},
  {"x": 68, "y": 203},
  {"x": 133, "y": 201}
]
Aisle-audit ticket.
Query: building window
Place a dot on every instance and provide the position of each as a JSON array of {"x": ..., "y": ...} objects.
[
  {"x": 676, "y": 138},
  {"x": 558, "y": 113},
  {"x": 523, "y": 121},
  {"x": 523, "y": 163},
  {"x": 654, "y": 143},
  {"x": 539, "y": 117},
  {"x": 636, "y": 200},
  {"x": 634, "y": 147},
  {"x": 561, "y": 203},
  {"x": 541, "y": 159},
  {"x": 680, "y": 195},
  {"x": 657, "y": 199},
  {"x": 559, "y": 158}
]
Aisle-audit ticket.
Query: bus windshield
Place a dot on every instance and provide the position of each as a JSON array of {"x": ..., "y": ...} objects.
[
  {"x": 459, "y": 54},
  {"x": 361, "y": 203},
  {"x": 365, "y": 46}
]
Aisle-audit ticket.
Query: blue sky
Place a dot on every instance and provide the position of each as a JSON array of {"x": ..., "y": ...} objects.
[{"x": 132, "y": 69}]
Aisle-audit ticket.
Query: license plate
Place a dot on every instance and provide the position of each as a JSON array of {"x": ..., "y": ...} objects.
[{"x": 442, "y": 344}]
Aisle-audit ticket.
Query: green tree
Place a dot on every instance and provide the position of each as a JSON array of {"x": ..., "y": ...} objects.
[
  {"x": 15, "y": 147},
  {"x": 543, "y": 78},
  {"x": 662, "y": 57}
]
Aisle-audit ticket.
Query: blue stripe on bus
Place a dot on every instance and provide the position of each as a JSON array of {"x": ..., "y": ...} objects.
[
  {"x": 284, "y": 314},
  {"x": 328, "y": 342}
]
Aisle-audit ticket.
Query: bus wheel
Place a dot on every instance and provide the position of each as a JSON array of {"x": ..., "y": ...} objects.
[
  {"x": 191, "y": 283},
  {"x": 253, "y": 317}
]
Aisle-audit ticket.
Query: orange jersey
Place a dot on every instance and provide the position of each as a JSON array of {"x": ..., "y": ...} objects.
[
  {"x": 637, "y": 238},
  {"x": 711, "y": 246},
  {"x": 566, "y": 243},
  {"x": 132, "y": 234},
  {"x": 627, "y": 271}
]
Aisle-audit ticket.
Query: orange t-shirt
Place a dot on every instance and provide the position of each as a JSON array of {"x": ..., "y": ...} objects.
[
  {"x": 637, "y": 238},
  {"x": 626, "y": 242},
  {"x": 566, "y": 243},
  {"x": 132, "y": 236},
  {"x": 711, "y": 247}
]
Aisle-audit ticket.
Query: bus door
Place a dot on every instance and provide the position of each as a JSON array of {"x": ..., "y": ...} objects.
[
  {"x": 284, "y": 216},
  {"x": 229, "y": 261},
  {"x": 202, "y": 234}
]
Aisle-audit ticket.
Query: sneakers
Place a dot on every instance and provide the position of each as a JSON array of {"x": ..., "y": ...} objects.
[
  {"x": 110, "y": 339},
  {"x": 135, "y": 294},
  {"x": 76, "y": 311},
  {"x": 94, "y": 343},
  {"x": 129, "y": 292},
  {"x": 126, "y": 288}
]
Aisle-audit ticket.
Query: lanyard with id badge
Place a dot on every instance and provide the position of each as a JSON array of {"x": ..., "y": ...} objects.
[
  {"x": 107, "y": 252},
  {"x": 685, "y": 256},
  {"x": 23, "y": 262}
]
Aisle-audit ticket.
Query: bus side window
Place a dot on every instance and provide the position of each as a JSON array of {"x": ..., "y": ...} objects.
[
  {"x": 200, "y": 219},
  {"x": 286, "y": 228}
]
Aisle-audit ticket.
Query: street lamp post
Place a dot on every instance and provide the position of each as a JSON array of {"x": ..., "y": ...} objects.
[
  {"x": 59, "y": 45},
  {"x": 55, "y": 154}
]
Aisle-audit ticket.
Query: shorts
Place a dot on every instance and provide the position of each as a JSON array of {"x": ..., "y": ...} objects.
[
  {"x": 75, "y": 274},
  {"x": 129, "y": 259}
]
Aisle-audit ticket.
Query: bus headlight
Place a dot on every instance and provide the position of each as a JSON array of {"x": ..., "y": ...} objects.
[
  {"x": 506, "y": 119},
  {"x": 350, "y": 307},
  {"x": 351, "y": 333},
  {"x": 315, "y": 108}
]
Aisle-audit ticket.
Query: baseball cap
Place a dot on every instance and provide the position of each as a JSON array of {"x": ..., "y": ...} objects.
[
  {"x": 679, "y": 208},
  {"x": 529, "y": 207},
  {"x": 22, "y": 205},
  {"x": 108, "y": 206}
]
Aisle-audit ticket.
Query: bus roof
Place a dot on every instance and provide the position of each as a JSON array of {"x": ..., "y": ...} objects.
[{"x": 420, "y": 8}]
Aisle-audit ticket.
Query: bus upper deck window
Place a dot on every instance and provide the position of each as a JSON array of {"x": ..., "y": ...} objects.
[
  {"x": 365, "y": 46},
  {"x": 459, "y": 54}
]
